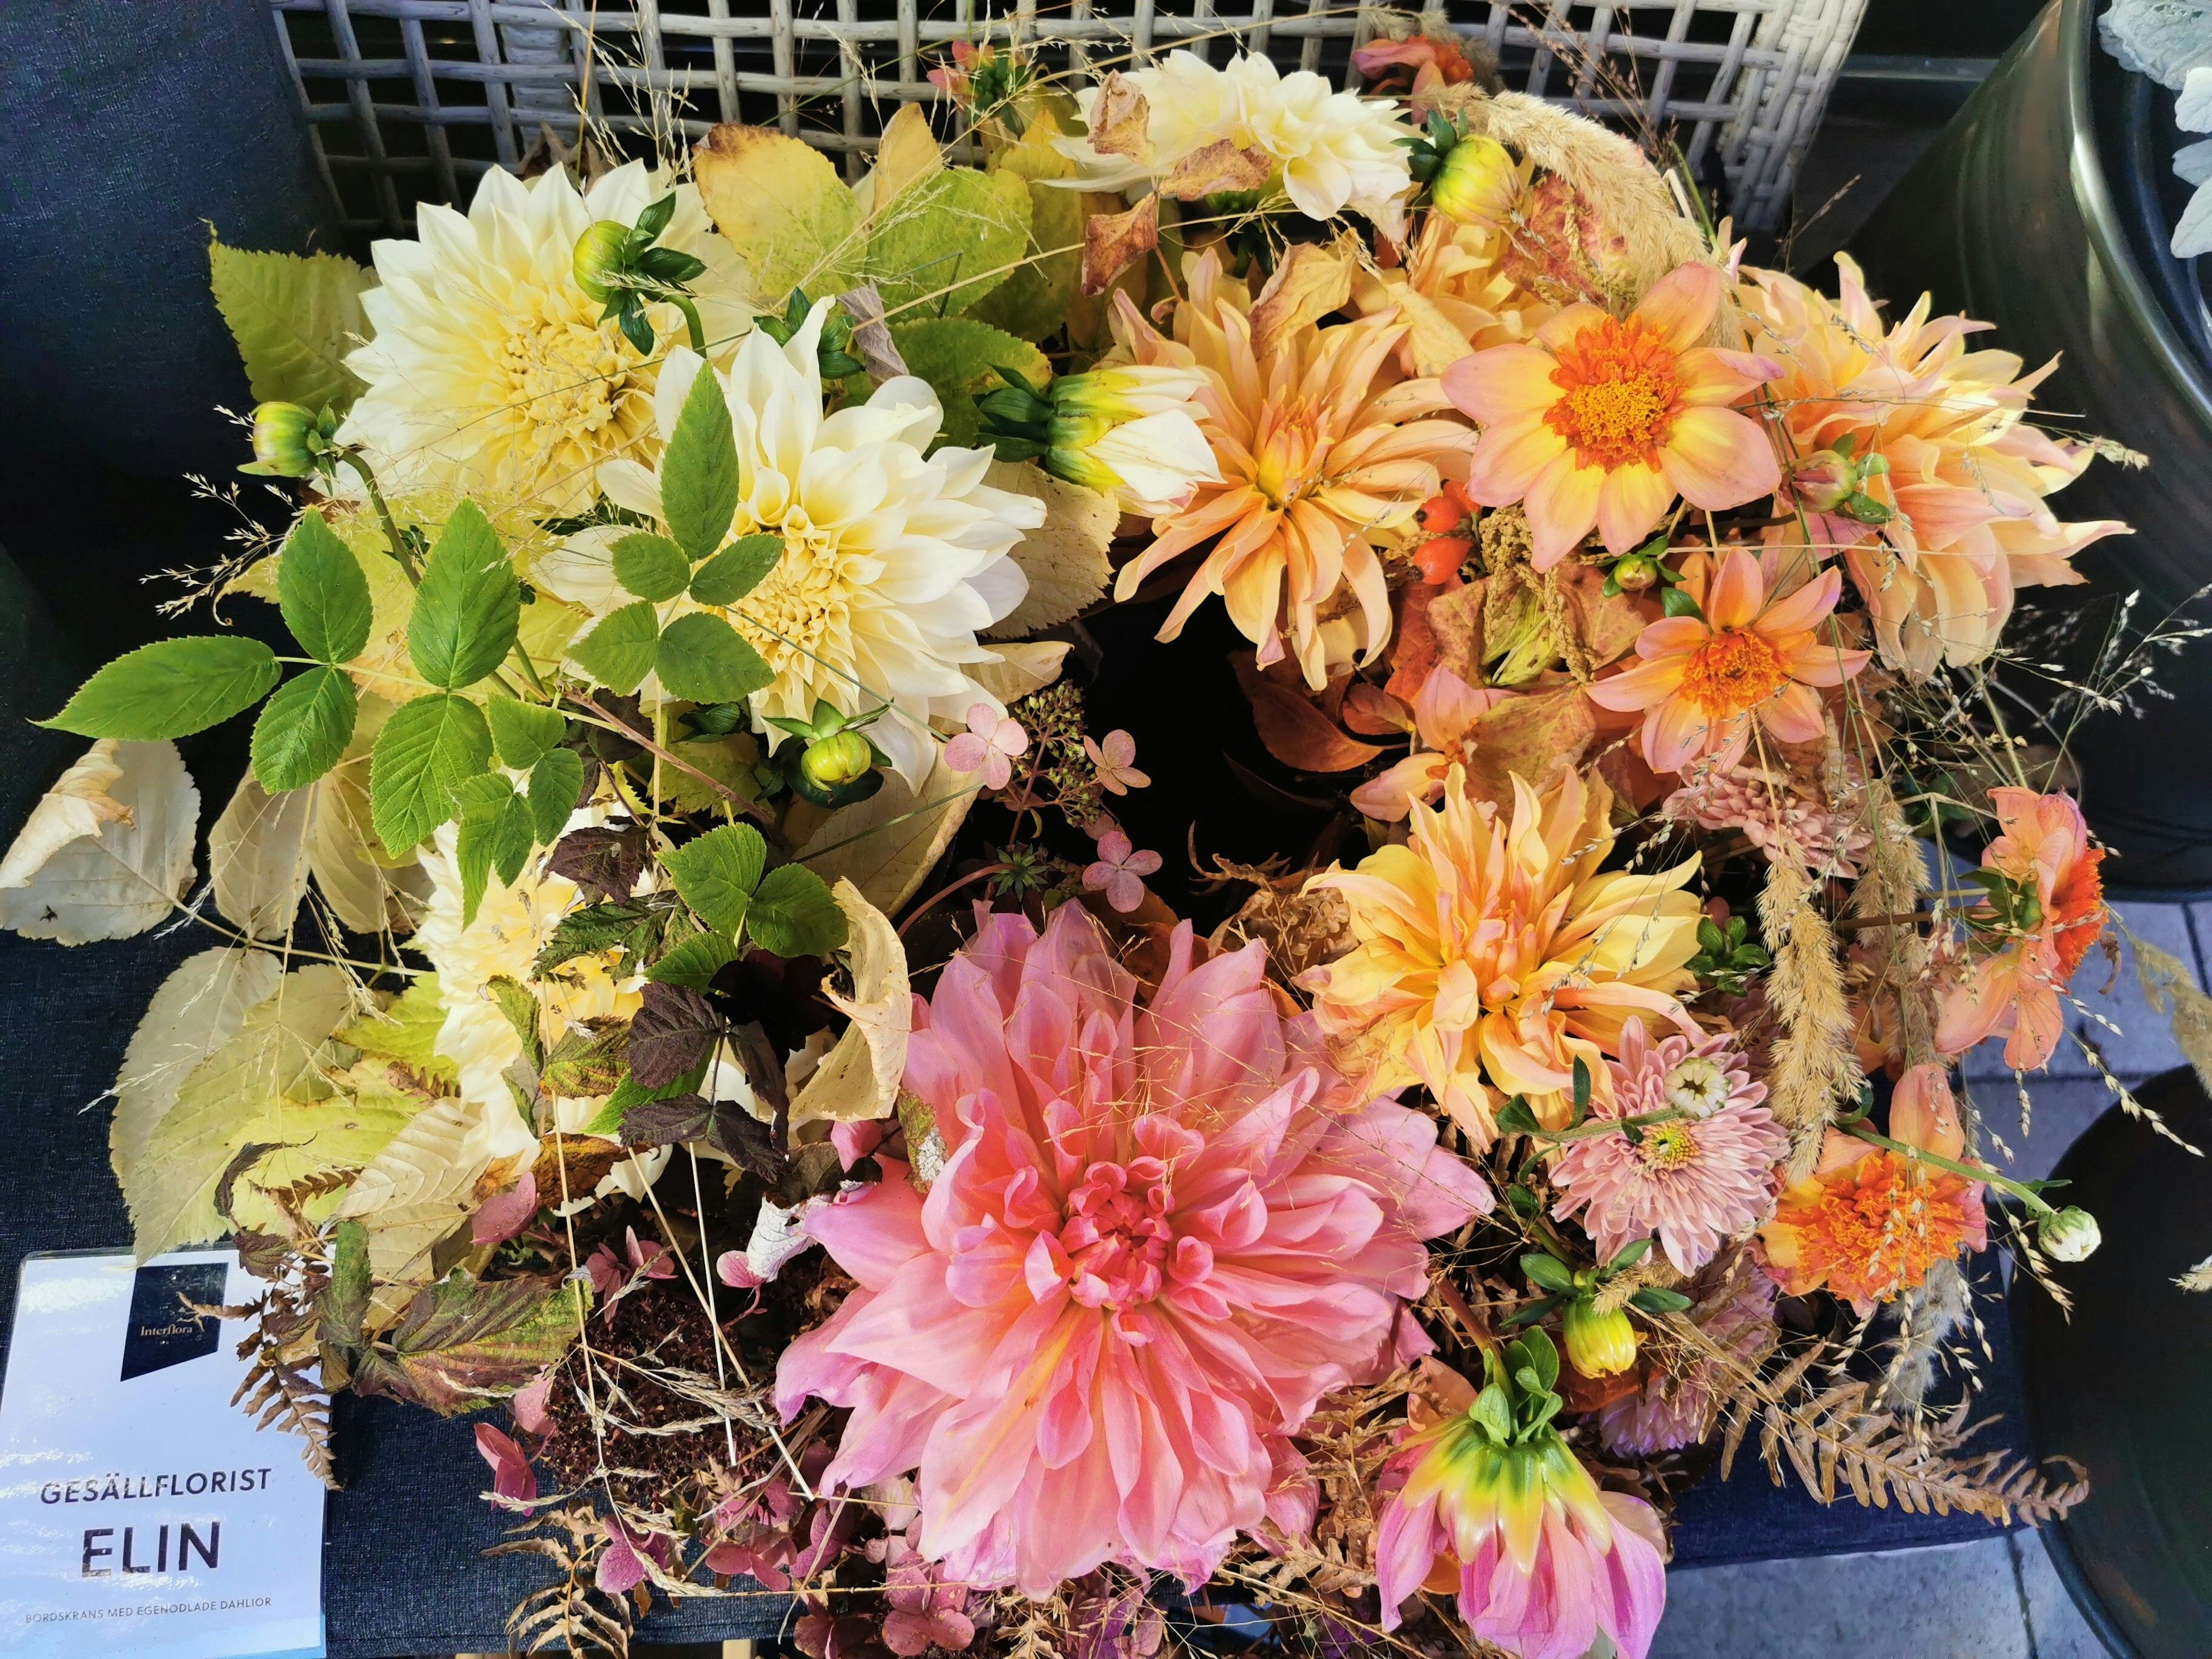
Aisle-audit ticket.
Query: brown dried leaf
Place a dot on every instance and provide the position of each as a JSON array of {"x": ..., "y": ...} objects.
[
  {"x": 1295, "y": 731},
  {"x": 589, "y": 1159},
  {"x": 1374, "y": 712},
  {"x": 1112, "y": 242},
  {"x": 1313, "y": 280},
  {"x": 1121, "y": 121},
  {"x": 1221, "y": 165},
  {"x": 1534, "y": 736},
  {"x": 1607, "y": 627}
]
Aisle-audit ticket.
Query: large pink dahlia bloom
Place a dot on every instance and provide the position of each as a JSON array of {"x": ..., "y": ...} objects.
[{"x": 1162, "y": 1233}]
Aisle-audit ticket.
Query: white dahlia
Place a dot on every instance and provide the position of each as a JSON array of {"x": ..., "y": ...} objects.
[
  {"x": 490, "y": 373},
  {"x": 1331, "y": 149},
  {"x": 894, "y": 560}
]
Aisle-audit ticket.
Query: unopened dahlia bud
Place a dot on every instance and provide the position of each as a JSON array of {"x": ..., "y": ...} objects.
[
  {"x": 1824, "y": 481},
  {"x": 289, "y": 441},
  {"x": 2070, "y": 1235},
  {"x": 1599, "y": 1343},
  {"x": 834, "y": 762},
  {"x": 1476, "y": 183},
  {"x": 602, "y": 258}
]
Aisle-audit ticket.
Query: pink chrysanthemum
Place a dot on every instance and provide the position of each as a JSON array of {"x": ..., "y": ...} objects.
[
  {"x": 1163, "y": 1232},
  {"x": 1670, "y": 1411},
  {"x": 1692, "y": 1182}
]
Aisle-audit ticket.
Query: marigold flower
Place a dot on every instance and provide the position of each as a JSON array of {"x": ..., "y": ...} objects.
[
  {"x": 1490, "y": 947},
  {"x": 1868, "y": 1224},
  {"x": 1321, "y": 451},
  {"x": 1163, "y": 1230},
  {"x": 2056, "y": 912},
  {"x": 1690, "y": 1184},
  {"x": 1750, "y": 661},
  {"x": 1602, "y": 420}
]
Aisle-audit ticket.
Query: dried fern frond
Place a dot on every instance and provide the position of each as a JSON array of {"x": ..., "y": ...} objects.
[
  {"x": 571, "y": 1615},
  {"x": 279, "y": 1390}
]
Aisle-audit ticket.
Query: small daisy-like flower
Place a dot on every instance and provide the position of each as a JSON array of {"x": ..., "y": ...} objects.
[
  {"x": 1120, "y": 871},
  {"x": 1691, "y": 1184},
  {"x": 990, "y": 745},
  {"x": 1111, "y": 760},
  {"x": 1698, "y": 1087}
]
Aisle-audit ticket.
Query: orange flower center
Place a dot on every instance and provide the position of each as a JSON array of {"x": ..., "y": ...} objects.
[
  {"x": 1291, "y": 454},
  {"x": 1731, "y": 673},
  {"x": 1620, "y": 394},
  {"x": 2077, "y": 912}
]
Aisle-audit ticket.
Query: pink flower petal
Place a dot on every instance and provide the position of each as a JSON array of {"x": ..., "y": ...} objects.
[
  {"x": 1682, "y": 305},
  {"x": 501, "y": 1218},
  {"x": 511, "y": 1479},
  {"x": 530, "y": 1404},
  {"x": 965, "y": 752},
  {"x": 1718, "y": 458}
]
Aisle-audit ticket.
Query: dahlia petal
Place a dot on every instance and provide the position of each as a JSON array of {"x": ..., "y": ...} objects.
[
  {"x": 1405, "y": 1544},
  {"x": 1682, "y": 305},
  {"x": 1562, "y": 509},
  {"x": 1639, "y": 687},
  {"x": 1717, "y": 458},
  {"x": 1673, "y": 732},
  {"x": 1800, "y": 612},
  {"x": 1629, "y": 503},
  {"x": 1793, "y": 714},
  {"x": 1711, "y": 375},
  {"x": 873, "y": 1232},
  {"x": 1501, "y": 382},
  {"x": 1737, "y": 592},
  {"x": 1635, "y": 1581}
]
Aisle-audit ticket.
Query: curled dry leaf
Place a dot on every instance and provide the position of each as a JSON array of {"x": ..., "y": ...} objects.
[
  {"x": 1295, "y": 731},
  {"x": 1120, "y": 120},
  {"x": 1022, "y": 668},
  {"x": 1065, "y": 558},
  {"x": 872, "y": 336},
  {"x": 1314, "y": 280},
  {"x": 198, "y": 1009},
  {"x": 1534, "y": 736},
  {"x": 125, "y": 873},
  {"x": 258, "y": 857},
  {"x": 1221, "y": 165},
  {"x": 886, "y": 844},
  {"x": 858, "y": 1079},
  {"x": 575, "y": 1164},
  {"x": 1112, "y": 242}
]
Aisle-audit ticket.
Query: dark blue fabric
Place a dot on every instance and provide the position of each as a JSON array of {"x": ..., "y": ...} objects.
[{"x": 132, "y": 129}]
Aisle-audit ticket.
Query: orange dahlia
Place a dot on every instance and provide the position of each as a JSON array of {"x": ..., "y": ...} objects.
[
  {"x": 1751, "y": 660},
  {"x": 1603, "y": 421},
  {"x": 1868, "y": 1224},
  {"x": 1323, "y": 449}
]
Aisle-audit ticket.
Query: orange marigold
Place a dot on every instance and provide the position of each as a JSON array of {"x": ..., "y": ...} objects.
[{"x": 1868, "y": 1224}]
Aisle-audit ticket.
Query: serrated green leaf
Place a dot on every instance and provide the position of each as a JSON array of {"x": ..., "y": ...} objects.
[
  {"x": 794, "y": 913},
  {"x": 949, "y": 240},
  {"x": 701, "y": 658},
  {"x": 322, "y": 592},
  {"x": 465, "y": 1341},
  {"x": 699, "y": 473},
  {"x": 652, "y": 567},
  {"x": 716, "y": 874},
  {"x": 782, "y": 206},
  {"x": 1034, "y": 300},
  {"x": 303, "y": 731},
  {"x": 170, "y": 688},
  {"x": 426, "y": 750},
  {"x": 555, "y": 783},
  {"x": 737, "y": 569},
  {"x": 960, "y": 357},
  {"x": 494, "y": 837},
  {"x": 522, "y": 731},
  {"x": 619, "y": 653},
  {"x": 694, "y": 963},
  {"x": 295, "y": 319},
  {"x": 468, "y": 607},
  {"x": 406, "y": 1030}
]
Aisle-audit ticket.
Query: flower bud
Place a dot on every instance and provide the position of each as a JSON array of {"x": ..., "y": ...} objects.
[
  {"x": 1598, "y": 1344},
  {"x": 1478, "y": 182},
  {"x": 1824, "y": 481},
  {"x": 1634, "y": 572},
  {"x": 2071, "y": 1235},
  {"x": 288, "y": 442},
  {"x": 602, "y": 258},
  {"x": 832, "y": 762}
]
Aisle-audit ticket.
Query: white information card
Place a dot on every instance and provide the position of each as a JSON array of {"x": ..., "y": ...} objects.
[{"x": 141, "y": 1513}]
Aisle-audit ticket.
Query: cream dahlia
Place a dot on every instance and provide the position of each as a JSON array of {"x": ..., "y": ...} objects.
[
  {"x": 1165, "y": 1230},
  {"x": 1692, "y": 1183},
  {"x": 1492, "y": 954},
  {"x": 1330, "y": 150},
  {"x": 894, "y": 559},
  {"x": 490, "y": 373}
]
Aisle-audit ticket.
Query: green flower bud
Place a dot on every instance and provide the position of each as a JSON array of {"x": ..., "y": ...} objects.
[
  {"x": 1634, "y": 572},
  {"x": 602, "y": 258},
  {"x": 289, "y": 441},
  {"x": 1477, "y": 182},
  {"x": 834, "y": 762},
  {"x": 2071, "y": 1235},
  {"x": 1598, "y": 1344}
]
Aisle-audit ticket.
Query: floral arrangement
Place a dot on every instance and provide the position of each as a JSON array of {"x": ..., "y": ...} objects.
[{"x": 687, "y": 977}]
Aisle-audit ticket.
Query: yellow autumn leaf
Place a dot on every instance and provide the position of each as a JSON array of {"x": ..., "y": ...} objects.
[
  {"x": 782, "y": 206},
  {"x": 887, "y": 843},
  {"x": 1065, "y": 558},
  {"x": 859, "y": 1078}
]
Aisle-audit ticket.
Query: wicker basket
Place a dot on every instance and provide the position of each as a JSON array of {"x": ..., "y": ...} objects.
[{"x": 410, "y": 100}]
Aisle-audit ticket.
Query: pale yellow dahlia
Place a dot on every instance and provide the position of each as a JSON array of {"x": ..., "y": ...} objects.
[
  {"x": 490, "y": 373},
  {"x": 1323, "y": 450},
  {"x": 1453, "y": 294},
  {"x": 1492, "y": 954}
]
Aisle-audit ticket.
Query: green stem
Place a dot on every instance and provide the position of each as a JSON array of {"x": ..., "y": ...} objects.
[
  {"x": 1972, "y": 1171},
  {"x": 530, "y": 672},
  {"x": 1600, "y": 1125},
  {"x": 691, "y": 322},
  {"x": 399, "y": 548}
]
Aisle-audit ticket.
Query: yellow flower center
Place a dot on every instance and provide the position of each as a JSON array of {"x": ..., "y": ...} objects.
[
  {"x": 1668, "y": 1146},
  {"x": 1731, "y": 673},
  {"x": 572, "y": 387},
  {"x": 1290, "y": 453},
  {"x": 801, "y": 610},
  {"x": 1620, "y": 393}
]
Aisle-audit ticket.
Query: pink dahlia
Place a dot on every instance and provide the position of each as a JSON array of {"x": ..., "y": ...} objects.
[
  {"x": 1671, "y": 1411},
  {"x": 1162, "y": 1233},
  {"x": 1692, "y": 1181}
]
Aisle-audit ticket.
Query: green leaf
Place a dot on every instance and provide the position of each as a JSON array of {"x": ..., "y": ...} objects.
[
  {"x": 630, "y": 1092},
  {"x": 467, "y": 1341},
  {"x": 652, "y": 567},
  {"x": 522, "y": 731},
  {"x": 1582, "y": 1090},
  {"x": 1677, "y": 601},
  {"x": 406, "y": 1030},
  {"x": 344, "y": 1301},
  {"x": 619, "y": 653},
  {"x": 520, "y": 1008},
  {"x": 427, "y": 749},
  {"x": 694, "y": 963},
  {"x": 717, "y": 873},
  {"x": 555, "y": 783},
  {"x": 1547, "y": 1271},
  {"x": 638, "y": 928},
  {"x": 1540, "y": 1355},
  {"x": 701, "y": 658},
  {"x": 1514, "y": 1118},
  {"x": 1033, "y": 302},
  {"x": 794, "y": 913},
  {"x": 1629, "y": 1255},
  {"x": 302, "y": 732},
  {"x": 1653, "y": 1300},
  {"x": 960, "y": 357},
  {"x": 295, "y": 320},
  {"x": 468, "y": 607},
  {"x": 171, "y": 688},
  {"x": 698, "y": 475},
  {"x": 736, "y": 570},
  {"x": 1495, "y": 1413},
  {"x": 322, "y": 592},
  {"x": 949, "y": 240},
  {"x": 494, "y": 836}
]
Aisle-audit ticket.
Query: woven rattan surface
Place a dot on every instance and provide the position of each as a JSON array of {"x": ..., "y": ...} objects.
[{"x": 410, "y": 100}]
